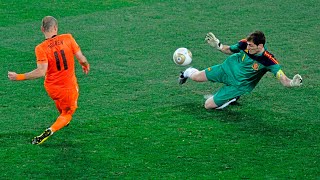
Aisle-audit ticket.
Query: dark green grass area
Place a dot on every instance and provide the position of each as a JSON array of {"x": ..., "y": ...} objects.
[
  {"x": 134, "y": 121},
  {"x": 15, "y": 12}
]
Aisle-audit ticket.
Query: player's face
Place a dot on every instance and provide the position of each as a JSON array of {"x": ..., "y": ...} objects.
[{"x": 252, "y": 48}]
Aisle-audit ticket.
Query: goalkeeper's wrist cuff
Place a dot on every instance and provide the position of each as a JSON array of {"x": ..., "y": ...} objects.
[{"x": 20, "y": 77}]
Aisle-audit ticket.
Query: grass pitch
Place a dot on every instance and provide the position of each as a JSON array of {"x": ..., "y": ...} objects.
[{"x": 134, "y": 121}]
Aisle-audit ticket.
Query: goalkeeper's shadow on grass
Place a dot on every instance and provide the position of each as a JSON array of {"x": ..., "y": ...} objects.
[
  {"x": 249, "y": 123},
  {"x": 228, "y": 114}
]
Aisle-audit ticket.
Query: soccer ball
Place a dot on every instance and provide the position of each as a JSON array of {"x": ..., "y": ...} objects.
[{"x": 182, "y": 56}]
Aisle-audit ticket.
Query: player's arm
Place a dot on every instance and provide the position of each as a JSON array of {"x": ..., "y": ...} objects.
[
  {"x": 40, "y": 71},
  {"x": 83, "y": 61},
  {"x": 285, "y": 81},
  {"x": 226, "y": 49},
  {"x": 215, "y": 43}
]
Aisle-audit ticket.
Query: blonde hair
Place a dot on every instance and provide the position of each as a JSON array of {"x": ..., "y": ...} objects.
[{"x": 48, "y": 22}]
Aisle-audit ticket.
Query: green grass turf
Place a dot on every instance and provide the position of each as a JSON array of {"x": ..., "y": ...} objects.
[{"x": 134, "y": 121}]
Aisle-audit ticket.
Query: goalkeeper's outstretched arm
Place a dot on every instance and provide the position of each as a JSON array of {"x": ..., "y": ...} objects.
[
  {"x": 215, "y": 43},
  {"x": 226, "y": 49},
  {"x": 285, "y": 81}
]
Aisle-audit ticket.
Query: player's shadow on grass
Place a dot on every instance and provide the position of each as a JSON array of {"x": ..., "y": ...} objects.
[
  {"x": 250, "y": 123},
  {"x": 62, "y": 139}
]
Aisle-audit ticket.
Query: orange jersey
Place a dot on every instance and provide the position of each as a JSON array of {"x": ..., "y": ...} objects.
[{"x": 58, "y": 52}]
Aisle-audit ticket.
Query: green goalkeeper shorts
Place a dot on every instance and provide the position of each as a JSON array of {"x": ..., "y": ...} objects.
[{"x": 226, "y": 92}]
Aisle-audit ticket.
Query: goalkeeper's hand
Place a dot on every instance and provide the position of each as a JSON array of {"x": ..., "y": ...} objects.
[
  {"x": 213, "y": 41},
  {"x": 86, "y": 68},
  {"x": 296, "y": 80}
]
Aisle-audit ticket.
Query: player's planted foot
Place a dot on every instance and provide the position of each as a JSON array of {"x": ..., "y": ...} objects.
[
  {"x": 182, "y": 79},
  {"x": 41, "y": 138}
]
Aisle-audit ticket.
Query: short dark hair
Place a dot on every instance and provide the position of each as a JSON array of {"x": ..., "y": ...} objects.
[{"x": 257, "y": 37}]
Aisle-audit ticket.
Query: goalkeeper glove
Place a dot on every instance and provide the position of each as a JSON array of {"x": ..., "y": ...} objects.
[
  {"x": 213, "y": 41},
  {"x": 296, "y": 80}
]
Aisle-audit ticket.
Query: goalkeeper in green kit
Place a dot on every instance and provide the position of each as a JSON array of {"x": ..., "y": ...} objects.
[{"x": 240, "y": 72}]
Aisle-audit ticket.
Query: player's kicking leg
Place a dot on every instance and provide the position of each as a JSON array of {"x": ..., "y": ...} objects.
[
  {"x": 42, "y": 137},
  {"x": 192, "y": 73}
]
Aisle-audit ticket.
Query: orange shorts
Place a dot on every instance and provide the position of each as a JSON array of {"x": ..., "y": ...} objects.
[{"x": 65, "y": 98}]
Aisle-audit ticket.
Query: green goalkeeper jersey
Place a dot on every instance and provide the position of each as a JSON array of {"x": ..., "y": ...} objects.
[{"x": 245, "y": 70}]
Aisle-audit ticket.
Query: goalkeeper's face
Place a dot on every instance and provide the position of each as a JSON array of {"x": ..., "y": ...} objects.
[{"x": 253, "y": 48}]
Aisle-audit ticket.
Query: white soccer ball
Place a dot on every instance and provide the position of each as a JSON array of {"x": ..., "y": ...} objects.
[{"x": 182, "y": 57}]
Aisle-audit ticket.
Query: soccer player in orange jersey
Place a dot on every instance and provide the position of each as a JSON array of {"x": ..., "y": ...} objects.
[{"x": 55, "y": 61}]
